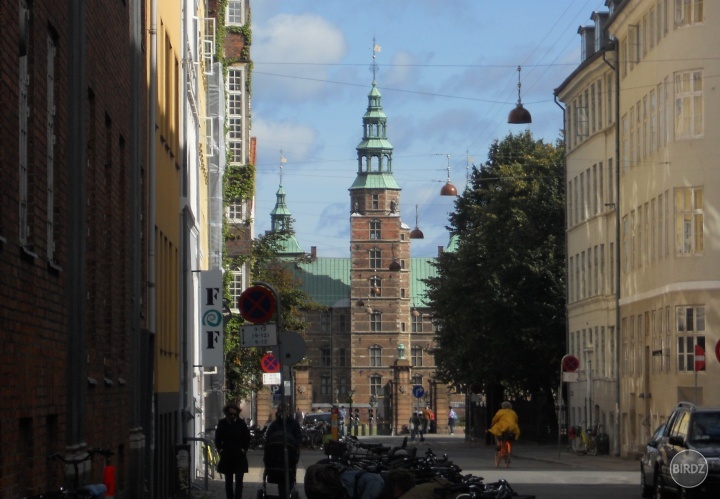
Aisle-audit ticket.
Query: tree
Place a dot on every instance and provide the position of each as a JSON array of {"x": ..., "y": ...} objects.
[
  {"x": 243, "y": 374},
  {"x": 501, "y": 295}
]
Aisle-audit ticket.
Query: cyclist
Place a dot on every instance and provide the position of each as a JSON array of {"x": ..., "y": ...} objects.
[{"x": 505, "y": 421}]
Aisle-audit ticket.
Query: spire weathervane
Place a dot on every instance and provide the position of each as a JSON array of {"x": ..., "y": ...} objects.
[{"x": 374, "y": 67}]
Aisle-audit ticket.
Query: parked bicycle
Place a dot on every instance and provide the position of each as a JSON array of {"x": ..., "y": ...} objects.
[
  {"x": 71, "y": 488},
  {"x": 583, "y": 442}
]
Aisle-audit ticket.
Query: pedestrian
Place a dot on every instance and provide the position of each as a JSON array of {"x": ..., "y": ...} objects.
[
  {"x": 342, "y": 413},
  {"x": 422, "y": 426},
  {"x": 429, "y": 416},
  {"x": 452, "y": 417},
  {"x": 414, "y": 425},
  {"x": 292, "y": 427},
  {"x": 299, "y": 416},
  {"x": 232, "y": 439}
]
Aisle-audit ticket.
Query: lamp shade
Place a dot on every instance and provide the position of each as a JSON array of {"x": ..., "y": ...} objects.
[{"x": 519, "y": 115}]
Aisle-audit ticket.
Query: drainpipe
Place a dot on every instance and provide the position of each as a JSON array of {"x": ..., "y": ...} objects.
[
  {"x": 559, "y": 402},
  {"x": 616, "y": 438},
  {"x": 151, "y": 130}
]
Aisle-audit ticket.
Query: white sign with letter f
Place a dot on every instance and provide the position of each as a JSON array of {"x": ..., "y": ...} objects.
[{"x": 211, "y": 319}]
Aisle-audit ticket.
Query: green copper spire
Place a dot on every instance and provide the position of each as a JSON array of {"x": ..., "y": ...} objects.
[
  {"x": 374, "y": 150},
  {"x": 280, "y": 220}
]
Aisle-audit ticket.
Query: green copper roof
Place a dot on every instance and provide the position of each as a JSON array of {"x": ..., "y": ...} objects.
[
  {"x": 420, "y": 268},
  {"x": 326, "y": 280},
  {"x": 374, "y": 143},
  {"x": 452, "y": 245},
  {"x": 289, "y": 246},
  {"x": 375, "y": 181}
]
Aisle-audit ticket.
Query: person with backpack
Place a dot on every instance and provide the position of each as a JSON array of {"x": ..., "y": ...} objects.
[{"x": 452, "y": 417}]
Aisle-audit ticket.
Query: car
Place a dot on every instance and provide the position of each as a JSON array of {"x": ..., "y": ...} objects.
[
  {"x": 689, "y": 428},
  {"x": 313, "y": 418},
  {"x": 649, "y": 461}
]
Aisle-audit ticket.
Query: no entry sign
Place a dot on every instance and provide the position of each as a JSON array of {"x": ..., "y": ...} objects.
[
  {"x": 257, "y": 304},
  {"x": 570, "y": 363}
]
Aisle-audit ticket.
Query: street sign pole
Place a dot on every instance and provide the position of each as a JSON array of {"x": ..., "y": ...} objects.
[{"x": 284, "y": 414}]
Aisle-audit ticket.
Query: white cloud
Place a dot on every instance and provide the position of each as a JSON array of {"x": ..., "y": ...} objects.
[
  {"x": 302, "y": 46},
  {"x": 298, "y": 141}
]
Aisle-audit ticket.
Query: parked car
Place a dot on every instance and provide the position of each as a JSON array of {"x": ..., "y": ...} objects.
[
  {"x": 649, "y": 461},
  {"x": 318, "y": 418},
  {"x": 689, "y": 428}
]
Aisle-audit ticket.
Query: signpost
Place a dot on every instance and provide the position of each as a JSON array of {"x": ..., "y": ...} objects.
[
  {"x": 568, "y": 367},
  {"x": 257, "y": 304},
  {"x": 258, "y": 335}
]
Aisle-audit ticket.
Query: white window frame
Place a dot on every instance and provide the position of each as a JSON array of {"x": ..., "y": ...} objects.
[
  {"x": 208, "y": 44},
  {"x": 236, "y": 212},
  {"x": 689, "y": 102},
  {"x": 233, "y": 10},
  {"x": 235, "y": 289},
  {"x": 209, "y": 137},
  {"x": 689, "y": 221},
  {"x": 235, "y": 111},
  {"x": 690, "y": 328},
  {"x": 688, "y": 12}
]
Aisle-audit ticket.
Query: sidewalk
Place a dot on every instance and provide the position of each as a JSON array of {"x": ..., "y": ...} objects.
[{"x": 459, "y": 450}]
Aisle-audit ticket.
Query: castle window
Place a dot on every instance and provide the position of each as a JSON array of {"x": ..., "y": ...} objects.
[
  {"x": 376, "y": 322},
  {"x": 416, "y": 356},
  {"x": 375, "y": 257},
  {"x": 326, "y": 357},
  {"x": 375, "y": 229},
  {"x": 375, "y": 286},
  {"x": 375, "y": 201},
  {"x": 375, "y": 353},
  {"x": 376, "y": 385}
]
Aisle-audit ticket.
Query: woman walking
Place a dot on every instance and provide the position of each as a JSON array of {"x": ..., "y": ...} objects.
[{"x": 232, "y": 439}]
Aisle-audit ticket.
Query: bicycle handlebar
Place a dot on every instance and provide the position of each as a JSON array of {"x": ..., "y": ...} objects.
[{"x": 89, "y": 454}]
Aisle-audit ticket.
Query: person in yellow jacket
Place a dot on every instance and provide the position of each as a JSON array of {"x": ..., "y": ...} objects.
[{"x": 505, "y": 420}]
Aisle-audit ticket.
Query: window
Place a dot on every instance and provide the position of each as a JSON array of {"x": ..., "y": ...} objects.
[
  {"x": 342, "y": 357},
  {"x": 375, "y": 257},
  {"x": 375, "y": 201},
  {"x": 689, "y": 221},
  {"x": 375, "y": 286},
  {"x": 235, "y": 99},
  {"x": 375, "y": 353},
  {"x": 688, "y": 105},
  {"x": 235, "y": 212},
  {"x": 375, "y": 229},
  {"x": 342, "y": 386},
  {"x": 50, "y": 145},
  {"x": 688, "y": 12},
  {"x": 416, "y": 356},
  {"x": 690, "y": 322},
  {"x": 235, "y": 13},
  {"x": 24, "y": 116},
  {"x": 376, "y": 322},
  {"x": 325, "y": 384},
  {"x": 325, "y": 322},
  {"x": 416, "y": 322},
  {"x": 326, "y": 357},
  {"x": 376, "y": 385},
  {"x": 235, "y": 288},
  {"x": 417, "y": 380}
]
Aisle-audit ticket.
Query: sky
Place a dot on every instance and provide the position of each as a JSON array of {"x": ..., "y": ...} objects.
[{"x": 447, "y": 71}]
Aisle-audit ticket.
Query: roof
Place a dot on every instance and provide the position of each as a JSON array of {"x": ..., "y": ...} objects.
[
  {"x": 420, "y": 269},
  {"x": 375, "y": 181},
  {"x": 326, "y": 280}
]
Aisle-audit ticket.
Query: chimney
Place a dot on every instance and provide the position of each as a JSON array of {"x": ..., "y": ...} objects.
[
  {"x": 313, "y": 252},
  {"x": 601, "y": 34},
  {"x": 587, "y": 37},
  {"x": 441, "y": 250}
]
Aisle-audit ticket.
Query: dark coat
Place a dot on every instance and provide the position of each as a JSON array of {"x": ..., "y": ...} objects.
[{"x": 232, "y": 440}]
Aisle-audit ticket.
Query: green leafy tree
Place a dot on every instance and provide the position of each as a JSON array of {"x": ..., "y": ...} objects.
[
  {"x": 501, "y": 295},
  {"x": 243, "y": 374}
]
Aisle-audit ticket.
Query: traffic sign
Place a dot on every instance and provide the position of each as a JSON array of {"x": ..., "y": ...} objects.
[
  {"x": 418, "y": 391},
  {"x": 290, "y": 349},
  {"x": 272, "y": 379},
  {"x": 258, "y": 335},
  {"x": 269, "y": 363},
  {"x": 257, "y": 304},
  {"x": 570, "y": 363}
]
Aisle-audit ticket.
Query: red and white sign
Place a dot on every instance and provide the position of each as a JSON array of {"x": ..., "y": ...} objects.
[{"x": 699, "y": 358}]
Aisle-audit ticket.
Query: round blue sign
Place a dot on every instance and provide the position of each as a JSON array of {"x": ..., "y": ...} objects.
[{"x": 418, "y": 391}]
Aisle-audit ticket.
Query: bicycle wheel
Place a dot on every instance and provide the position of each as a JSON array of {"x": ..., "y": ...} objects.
[
  {"x": 498, "y": 455},
  {"x": 507, "y": 450},
  {"x": 577, "y": 445},
  {"x": 592, "y": 449}
]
